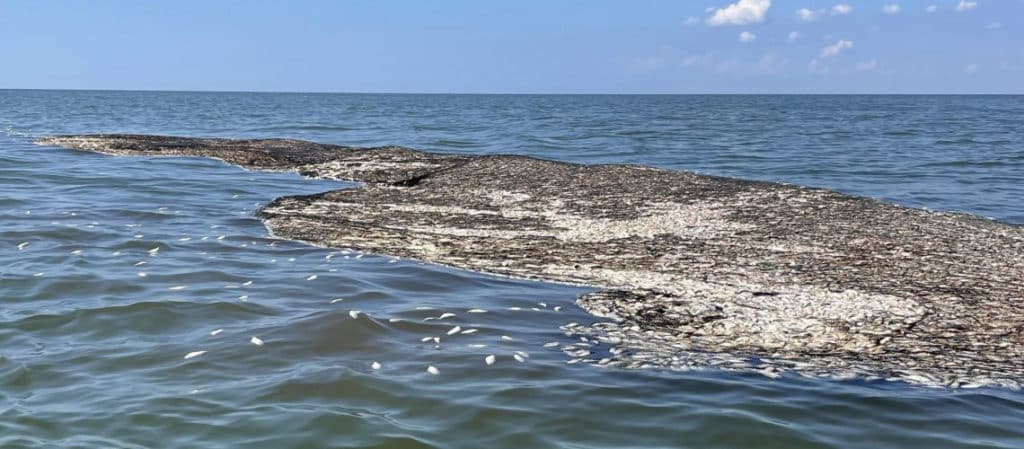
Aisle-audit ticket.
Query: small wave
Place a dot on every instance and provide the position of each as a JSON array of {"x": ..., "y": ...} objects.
[
  {"x": 297, "y": 127},
  {"x": 456, "y": 143},
  {"x": 985, "y": 164}
]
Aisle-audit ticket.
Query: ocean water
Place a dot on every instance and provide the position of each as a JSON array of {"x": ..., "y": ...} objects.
[{"x": 132, "y": 263}]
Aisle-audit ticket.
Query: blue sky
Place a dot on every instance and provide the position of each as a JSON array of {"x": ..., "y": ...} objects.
[{"x": 524, "y": 46}]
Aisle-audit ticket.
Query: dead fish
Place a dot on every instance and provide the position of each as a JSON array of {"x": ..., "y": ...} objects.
[
  {"x": 194, "y": 354},
  {"x": 489, "y": 360},
  {"x": 454, "y": 330},
  {"x": 216, "y": 331},
  {"x": 256, "y": 341},
  {"x": 353, "y": 313},
  {"x": 311, "y": 277},
  {"x": 375, "y": 365},
  {"x": 432, "y": 370},
  {"x": 22, "y": 245},
  {"x": 476, "y": 311},
  {"x": 178, "y": 287}
]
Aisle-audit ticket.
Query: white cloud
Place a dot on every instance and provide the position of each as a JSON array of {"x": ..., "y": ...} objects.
[
  {"x": 834, "y": 49},
  {"x": 806, "y": 15},
  {"x": 741, "y": 13},
  {"x": 965, "y": 5},
  {"x": 793, "y": 36},
  {"x": 867, "y": 66},
  {"x": 747, "y": 37},
  {"x": 971, "y": 68},
  {"x": 931, "y": 8},
  {"x": 994, "y": 26},
  {"x": 691, "y": 21},
  {"x": 841, "y": 9},
  {"x": 891, "y": 8}
]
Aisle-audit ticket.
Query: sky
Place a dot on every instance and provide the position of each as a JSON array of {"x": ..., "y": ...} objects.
[{"x": 522, "y": 46}]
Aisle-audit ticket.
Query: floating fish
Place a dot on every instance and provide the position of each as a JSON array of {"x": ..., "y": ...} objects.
[
  {"x": 178, "y": 287},
  {"x": 375, "y": 365},
  {"x": 489, "y": 360},
  {"x": 519, "y": 358},
  {"x": 337, "y": 300},
  {"x": 353, "y": 313},
  {"x": 432, "y": 370},
  {"x": 469, "y": 331},
  {"x": 22, "y": 245},
  {"x": 142, "y": 274},
  {"x": 216, "y": 331},
  {"x": 256, "y": 341},
  {"x": 311, "y": 277},
  {"x": 446, "y": 315},
  {"x": 454, "y": 330},
  {"x": 476, "y": 311},
  {"x": 194, "y": 354}
]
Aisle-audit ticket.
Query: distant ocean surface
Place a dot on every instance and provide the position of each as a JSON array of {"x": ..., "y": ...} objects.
[{"x": 114, "y": 269}]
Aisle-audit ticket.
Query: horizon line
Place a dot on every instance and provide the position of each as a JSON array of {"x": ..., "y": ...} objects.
[{"x": 509, "y": 93}]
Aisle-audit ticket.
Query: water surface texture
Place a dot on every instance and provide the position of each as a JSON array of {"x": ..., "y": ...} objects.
[{"x": 113, "y": 270}]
